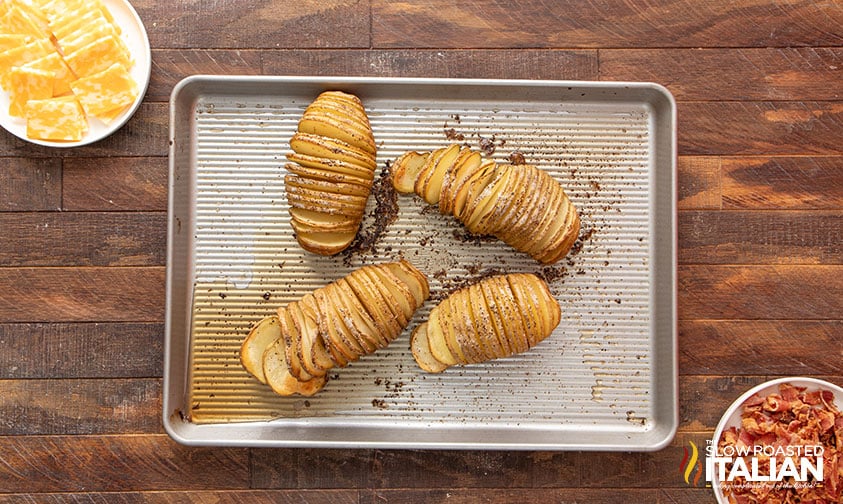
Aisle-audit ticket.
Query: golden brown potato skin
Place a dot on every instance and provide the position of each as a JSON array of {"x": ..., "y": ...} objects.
[
  {"x": 519, "y": 204},
  {"x": 497, "y": 317},
  {"x": 331, "y": 171},
  {"x": 293, "y": 350}
]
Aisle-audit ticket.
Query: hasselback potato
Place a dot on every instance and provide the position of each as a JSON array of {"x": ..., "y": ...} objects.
[
  {"x": 497, "y": 317},
  {"x": 331, "y": 169},
  {"x": 519, "y": 204},
  {"x": 335, "y": 325}
]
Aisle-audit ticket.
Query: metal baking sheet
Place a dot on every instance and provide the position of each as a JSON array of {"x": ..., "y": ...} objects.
[{"x": 606, "y": 379}]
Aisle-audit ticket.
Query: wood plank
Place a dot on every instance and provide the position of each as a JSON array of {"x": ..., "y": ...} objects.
[
  {"x": 180, "y": 497},
  {"x": 29, "y": 184},
  {"x": 145, "y": 134},
  {"x": 322, "y": 468},
  {"x": 81, "y": 350},
  {"x": 98, "y": 239},
  {"x": 74, "y": 406},
  {"x": 249, "y": 24},
  {"x": 515, "y": 64},
  {"x": 453, "y": 469},
  {"x": 807, "y": 73},
  {"x": 698, "y": 182},
  {"x": 703, "y": 399},
  {"x": 115, "y": 184},
  {"x": 763, "y": 183},
  {"x": 778, "y": 292},
  {"x": 131, "y": 294},
  {"x": 569, "y": 23},
  {"x": 496, "y": 495},
  {"x": 753, "y": 237},
  {"x": 762, "y": 347},
  {"x": 169, "y": 66},
  {"x": 47, "y": 464},
  {"x": 760, "y": 128}
]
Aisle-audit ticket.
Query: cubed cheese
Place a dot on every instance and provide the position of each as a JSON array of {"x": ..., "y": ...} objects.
[
  {"x": 53, "y": 62},
  {"x": 28, "y": 84},
  {"x": 96, "y": 56},
  {"x": 22, "y": 55},
  {"x": 103, "y": 92},
  {"x": 56, "y": 119},
  {"x": 8, "y": 41}
]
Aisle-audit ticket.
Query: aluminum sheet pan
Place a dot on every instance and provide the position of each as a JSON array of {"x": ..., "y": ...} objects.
[{"x": 606, "y": 379}]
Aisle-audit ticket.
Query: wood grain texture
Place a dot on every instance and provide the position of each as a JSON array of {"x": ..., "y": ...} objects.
[
  {"x": 568, "y": 23},
  {"x": 698, "y": 183},
  {"x": 81, "y": 350},
  {"x": 772, "y": 237},
  {"x": 502, "y": 64},
  {"x": 92, "y": 239},
  {"x": 114, "y": 463},
  {"x": 29, "y": 184},
  {"x": 478, "y": 496},
  {"x": 74, "y": 406},
  {"x": 145, "y": 134},
  {"x": 705, "y": 398},
  {"x": 321, "y": 468},
  {"x": 760, "y": 128},
  {"x": 782, "y": 292},
  {"x": 742, "y": 74},
  {"x": 248, "y": 24},
  {"x": 765, "y": 183},
  {"x": 182, "y": 496},
  {"x": 169, "y": 66},
  {"x": 761, "y": 347},
  {"x": 131, "y": 294},
  {"x": 115, "y": 184}
]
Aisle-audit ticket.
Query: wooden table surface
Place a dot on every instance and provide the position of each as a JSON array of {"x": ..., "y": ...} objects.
[{"x": 760, "y": 274}]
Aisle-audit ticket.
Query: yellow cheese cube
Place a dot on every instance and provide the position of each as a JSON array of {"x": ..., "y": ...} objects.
[
  {"x": 11, "y": 41},
  {"x": 56, "y": 119},
  {"x": 17, "y": 21},
  {"x": 28, "y": 84},
  {"x": 22, "y": 55},
  {"x": 103, "y": 92},
  {"x": 90, "y": 33},
  {"x": 96, "y": 56},
  {"x": 53, "y": 62}
]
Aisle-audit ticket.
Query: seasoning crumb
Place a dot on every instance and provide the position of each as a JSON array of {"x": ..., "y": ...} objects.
[
  {"x": 266, "y": 296},
  {"x": 517, "y": 158},
  {"x": 379, "y": 403},
  {"x": 223, "y": 295}
]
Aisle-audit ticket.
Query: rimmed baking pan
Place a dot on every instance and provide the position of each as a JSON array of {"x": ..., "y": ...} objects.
[{"x": 606, "y": 379}]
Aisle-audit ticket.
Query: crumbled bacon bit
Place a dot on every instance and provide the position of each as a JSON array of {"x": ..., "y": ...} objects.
[{"x": 791, "y": 417}]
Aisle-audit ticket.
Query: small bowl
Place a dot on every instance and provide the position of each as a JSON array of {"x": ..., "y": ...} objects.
[
  {"x": 135, "y": 36},
  {"x": 732, "y": 416}
]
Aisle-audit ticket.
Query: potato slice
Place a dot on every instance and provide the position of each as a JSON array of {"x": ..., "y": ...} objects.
[
  {"x": 319, "y": 356},
  {"x": 329, "y": 186},
  {"x": 397, "y": 303},
  {"x": 371, "y": 298},
  {"x": 405, "y": 171},
  {"x": 509, "y": 315},
  {"x": 346, "y": 328},
  {"x": 467, "y": 194},
  {"x": 466, "y": 168},
  {"x": 420, "y": 346},
  {"x": 405, "y": 300},
  {"x": 325, "y": 243},
  {"x": 415, "y": 282},
  {"x": 496, "y": 324},
  {"x": 329, "y": 170},
  {"x": 336, "y": 339},
  {"x": 475, "y": 218},
  {"x": 358, "y": 318},
  {"x": 261, "y": 336},
  {"x": 321, "y": 122},
  {"x": 292, "y": 338},
  {"x": 331, "y": 148},
  {"x": 346, "y": 226},
  {"x": 432, "y": 186},
  {"x": 278, "y": 375},
  {"x": 439, "y": 333},
  {"x": 450, "y": 175},
  {"x": 481, "y": 321},
  {"x": 322, "y": 222}
]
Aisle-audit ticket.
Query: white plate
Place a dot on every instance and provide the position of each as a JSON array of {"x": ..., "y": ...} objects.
[
  {"x": 134, "y": 34},
  {"x": 732, "y": 417}
]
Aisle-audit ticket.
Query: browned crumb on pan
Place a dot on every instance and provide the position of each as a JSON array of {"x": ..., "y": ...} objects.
[
  {"x": 382, "y": 216},
  {"x": 517, "y": 158}
]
